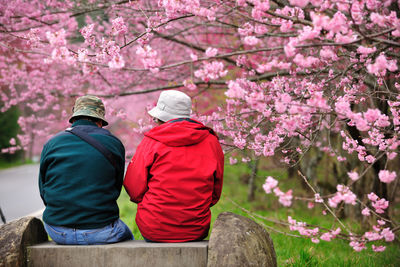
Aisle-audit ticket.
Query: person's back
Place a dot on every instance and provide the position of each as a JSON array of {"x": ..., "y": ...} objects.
[
  {"x": 79, "y": 185},
  {"x": 78, "y": 190},
  {"x": 175, "y": 177}
]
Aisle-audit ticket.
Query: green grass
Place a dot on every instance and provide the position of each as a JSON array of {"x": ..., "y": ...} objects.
[
  {"x": 290, "y": 251},
  {"x": 6, "y": 164}
]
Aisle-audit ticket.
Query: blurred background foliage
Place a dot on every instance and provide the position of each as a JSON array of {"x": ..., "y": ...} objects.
[{"x": 9, "y": 128}]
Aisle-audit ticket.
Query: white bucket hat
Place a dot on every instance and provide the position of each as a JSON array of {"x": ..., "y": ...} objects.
[{"x": 172, "y": 104}]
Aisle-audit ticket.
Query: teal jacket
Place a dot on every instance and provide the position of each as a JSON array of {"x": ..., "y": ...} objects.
[{"x": 78, "y": 185}]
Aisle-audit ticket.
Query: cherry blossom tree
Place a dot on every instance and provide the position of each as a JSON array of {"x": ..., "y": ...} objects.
[{"x": 292, "y": 79}]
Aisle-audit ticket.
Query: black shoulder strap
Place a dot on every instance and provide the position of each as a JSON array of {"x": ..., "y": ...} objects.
[{"x": 112, "y": 158}]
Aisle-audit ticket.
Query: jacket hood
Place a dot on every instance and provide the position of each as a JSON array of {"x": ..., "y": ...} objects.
[{"x": 180, "y": 132}]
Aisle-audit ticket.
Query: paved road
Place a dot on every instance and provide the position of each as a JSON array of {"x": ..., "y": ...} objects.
[{"x": 19, "y": 192}]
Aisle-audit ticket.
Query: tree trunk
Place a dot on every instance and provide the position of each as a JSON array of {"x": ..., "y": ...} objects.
[
  {"x": 253, "y": 175},
  {"x": 16, "y": 236}
]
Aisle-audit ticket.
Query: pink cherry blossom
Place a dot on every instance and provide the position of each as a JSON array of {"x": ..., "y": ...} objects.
[
  {"x": 317, "y": 100},
  {"x": 320, "y": 20},
  {"x": 246, "y": 159},
  {"x": 326, "y": 237},
  {"x": 372, "y": 196},
  {"x": 272, "y": 64},
  {"x": 358, "y": 246},
  {"x": 118, "y": 26},
  {"x": 193, "y": 57},
  {"x": 387, "y": 234},
  {"x": 305, "y": 62},
  {"x": 87, "y": 33},
  {"x": 372, "y": 236},
  {"x": 117, "y": 62},
  {"x": 290, "y": 49},
  {"x": 260, "y": 29},
  {"x": 33, "y": 38},
  {"x": 353, "y": 176},
  {"x": 316, "y": 2},
  {"x": 236, "y": 89},
  {"x": 370, "y": 159},
  {"x": 380, "y": 205},
  {"x": 13, "y": 142},
  {"x": 386, "y": 176},
  {"x": 241, "y": 2},
  {"x": 338, "y": 23},
  {"x": 315, "y": 240},
  {"x": 372, "y": 115},
  {"x": 211, "y": 52},
  {"x": 309, "y": 33},
  {"x": 299, "y": 3},
  {"x": 270, "y": 184},
  {"x": 381, "y": 222},
  {"x": 232, "y": 161},
  {"x": 366, "y": 50},
  {"x": 251, "y": 40},
  {"x": 149, "y": 57},
  {"x": 63, "y": 54},
  {"x": 239, "y": 141},
  {"x": 366, "y": 212},
  {"x": 378, "y": 248},
  {"x": 190, "y": 85},
  {"x": 262, "y": 5},
  {"x": 286, "y": 198},
  {"x": 246, "y": 29},
  {"x": 328, "y": 54},
  {"x": 82, "y": 54},
  {"x": 303, "y": 230},
  {"x": 286, "y": 26},
  {"x": 211, "y": 71},
  {"x": 343, "y": 194},
  {"x": 318, "y": 198},
  {"x": 336, "y": 232},
  {"x": 381, "y": 65},
  {"x": 334, "y": 201},
  {"x": 57, "y": 39}
]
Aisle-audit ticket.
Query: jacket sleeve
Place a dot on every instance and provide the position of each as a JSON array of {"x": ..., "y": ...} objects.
[
  {"x": 135, "y": 182},
  {"x": 42, "y": 174},
  {"x": 121, "y": 165},
  {"x": 218, "y": 175}
]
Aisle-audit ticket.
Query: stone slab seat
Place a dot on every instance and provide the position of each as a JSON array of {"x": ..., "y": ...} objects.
[{"x": 128, "y": 253}]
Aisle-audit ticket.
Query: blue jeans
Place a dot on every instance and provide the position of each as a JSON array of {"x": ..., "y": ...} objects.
[{"x": 116, "y": 232}]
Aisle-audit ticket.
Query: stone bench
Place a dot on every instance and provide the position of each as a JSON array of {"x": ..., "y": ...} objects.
[
  {"x": 234, "y": 241},
  {"x": 128, "y": 253}
]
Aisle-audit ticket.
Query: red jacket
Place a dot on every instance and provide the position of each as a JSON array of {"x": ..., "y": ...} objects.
[{"x": 175, "y": 177}]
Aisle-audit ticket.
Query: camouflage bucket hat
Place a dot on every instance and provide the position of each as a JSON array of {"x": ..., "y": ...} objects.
[{"x": 90, "y": 106}]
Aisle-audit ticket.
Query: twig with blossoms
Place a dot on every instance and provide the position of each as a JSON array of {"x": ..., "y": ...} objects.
[
  {"x": 257, "y": 217},
  {"x": 320, "y": 200},
  {"x": 357, "y": 242}
]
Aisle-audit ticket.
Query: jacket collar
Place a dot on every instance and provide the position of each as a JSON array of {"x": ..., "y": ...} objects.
[{"x": 84, "y": 122}]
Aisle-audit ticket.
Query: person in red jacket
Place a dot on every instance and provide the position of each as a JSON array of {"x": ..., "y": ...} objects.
[{"x": 176, "y": 174}]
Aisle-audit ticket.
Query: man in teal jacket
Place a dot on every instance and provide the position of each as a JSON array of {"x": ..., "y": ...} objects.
[{"x": 79, "y": 185}]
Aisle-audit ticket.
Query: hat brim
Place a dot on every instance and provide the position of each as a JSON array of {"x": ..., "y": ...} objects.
[
  {"x": 105, "y": 123},
  {"x": 164, "y": 116}
]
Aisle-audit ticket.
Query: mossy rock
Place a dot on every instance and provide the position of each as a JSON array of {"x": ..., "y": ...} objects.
[{"x": 238, "y": 241}]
